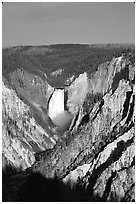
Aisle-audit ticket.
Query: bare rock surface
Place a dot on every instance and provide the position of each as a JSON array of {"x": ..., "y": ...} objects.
[
  {"x": 22, "y": 136},
  {"x": 77, "y": 93}
]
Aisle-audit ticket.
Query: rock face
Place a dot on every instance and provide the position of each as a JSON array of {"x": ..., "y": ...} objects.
[
  {"x": 32, "y": 88},
  {"x": 77, "y": 93},
  {"x": 22, "y": 136},
  {"x": 95, "y": 159}
]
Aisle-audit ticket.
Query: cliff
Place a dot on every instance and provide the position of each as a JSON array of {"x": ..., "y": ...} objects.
[
  {"x": 22, "y": 135},
  {"x": 95, "y": 159}
]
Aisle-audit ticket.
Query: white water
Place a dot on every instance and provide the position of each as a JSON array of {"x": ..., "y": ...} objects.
[
  {"x": 56, "y": 112},
  {"x": 63, "y": 120},
  {"x": 56, "y": 104}
]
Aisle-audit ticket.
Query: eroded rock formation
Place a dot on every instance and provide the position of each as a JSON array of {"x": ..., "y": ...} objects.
[{"x": 22, "y": 135}]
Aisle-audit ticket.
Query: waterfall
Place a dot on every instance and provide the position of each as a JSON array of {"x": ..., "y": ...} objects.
[
  {"x": 56, "y": 112},
  {"x": 56, "y": 103}
]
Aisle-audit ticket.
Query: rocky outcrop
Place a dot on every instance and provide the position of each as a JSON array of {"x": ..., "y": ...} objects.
[
  {"x": 77, "y": 93},
  {"x": 69, "y": 80},
  {"x": 31, "y": 88},
  {"x": 95, "y": 159},
  {"x": 57, "y": 72}
]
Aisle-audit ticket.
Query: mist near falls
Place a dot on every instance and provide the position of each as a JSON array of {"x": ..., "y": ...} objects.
[{"x": 63, "y": 120}]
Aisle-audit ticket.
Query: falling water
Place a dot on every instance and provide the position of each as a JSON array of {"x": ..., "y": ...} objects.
[{"x": 56, "y": 112}]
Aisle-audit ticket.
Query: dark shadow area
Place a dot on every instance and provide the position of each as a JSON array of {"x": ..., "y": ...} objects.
[
  {"x": 30, "y": 187},
  {"x": 33, "y": 187},
  {"x": 27, "y": 186},
  {"x": 65, "y": 100},
  {"x": 114, "y": 156},
  {"x": 126, "y": 104},
  {"x": 131, "y": 110},
  {"x": 123, "y": 74},
  {"x": 9, "y": 170},
  {"x": 85, "y": 119}
]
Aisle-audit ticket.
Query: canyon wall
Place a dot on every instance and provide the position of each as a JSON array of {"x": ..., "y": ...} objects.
[{"x": 22, "y": 135}]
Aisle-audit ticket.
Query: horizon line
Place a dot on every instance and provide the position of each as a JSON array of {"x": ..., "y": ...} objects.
[{"x": 39, "y": 45}]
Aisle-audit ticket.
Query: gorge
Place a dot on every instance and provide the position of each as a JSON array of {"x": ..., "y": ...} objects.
[{"x": 75, "y": 140}]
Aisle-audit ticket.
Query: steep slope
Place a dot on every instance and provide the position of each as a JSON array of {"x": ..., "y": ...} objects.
[{"x": 22, "y": 135}]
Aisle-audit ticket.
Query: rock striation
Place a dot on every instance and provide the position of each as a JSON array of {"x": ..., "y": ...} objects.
[{"x": 22, "y": 136}]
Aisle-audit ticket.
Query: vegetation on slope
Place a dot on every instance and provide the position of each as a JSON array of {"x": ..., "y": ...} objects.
[{"x": 73, "y": 59}]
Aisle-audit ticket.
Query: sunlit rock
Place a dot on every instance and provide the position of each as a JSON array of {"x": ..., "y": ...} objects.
[
  {"x": 57, "y": 72},
  {"x": 77, "y": 93},
  {"x": 22, "y": 136}
]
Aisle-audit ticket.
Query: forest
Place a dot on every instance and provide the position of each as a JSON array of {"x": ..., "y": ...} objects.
[{"x": 73, "y": 59}]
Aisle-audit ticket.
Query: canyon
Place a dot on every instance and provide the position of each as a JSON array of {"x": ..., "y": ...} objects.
[{"x": 77, "y": 139}]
